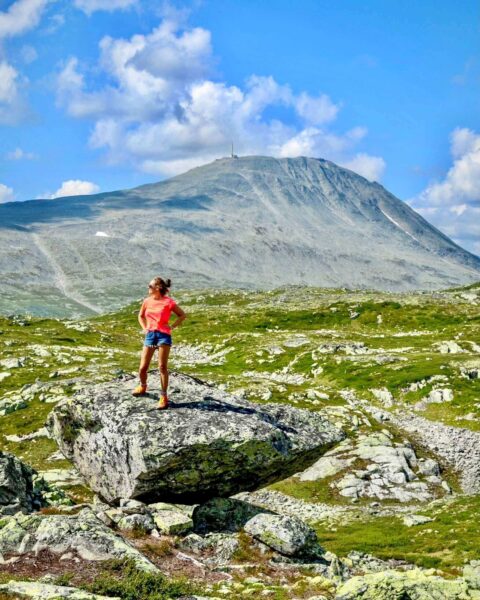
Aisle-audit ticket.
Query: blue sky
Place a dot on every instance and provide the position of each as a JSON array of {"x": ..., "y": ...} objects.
[{"x": 97, "y": 95}]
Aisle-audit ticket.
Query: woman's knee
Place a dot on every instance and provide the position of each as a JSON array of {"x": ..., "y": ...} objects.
[{"x": 163, "y": 368}]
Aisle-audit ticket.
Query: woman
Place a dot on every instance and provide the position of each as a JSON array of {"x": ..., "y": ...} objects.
[{"x": 153, "y": 318}]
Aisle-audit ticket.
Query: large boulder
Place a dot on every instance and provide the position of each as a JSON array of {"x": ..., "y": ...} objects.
[
  {"x": 208, "y": 443},
  {"x": 17, "y": 490}
]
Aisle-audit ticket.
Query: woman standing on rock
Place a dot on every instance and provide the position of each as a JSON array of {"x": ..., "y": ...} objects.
[{"x": 153, "y": 318}]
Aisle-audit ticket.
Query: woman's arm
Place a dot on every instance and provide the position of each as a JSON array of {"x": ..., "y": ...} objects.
[
  {"x": 141, "y": 317},
  {"x": 181, "y": 316},
  {"x": 143, "y": 321}
]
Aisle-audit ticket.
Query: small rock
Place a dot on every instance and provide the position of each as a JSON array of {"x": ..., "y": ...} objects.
[{"x": 287, "y": 535}]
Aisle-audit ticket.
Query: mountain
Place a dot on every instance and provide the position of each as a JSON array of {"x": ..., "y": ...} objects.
[{"x": 254, "y": 222}]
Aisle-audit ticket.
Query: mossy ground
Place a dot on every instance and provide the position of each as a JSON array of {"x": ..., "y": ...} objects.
[{"x": 255, "y": 330}]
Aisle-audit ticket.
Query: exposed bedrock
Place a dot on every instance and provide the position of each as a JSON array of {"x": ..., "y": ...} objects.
[
  {"x": 456, "y": 446},
  {"x": 208, "y": 443}
]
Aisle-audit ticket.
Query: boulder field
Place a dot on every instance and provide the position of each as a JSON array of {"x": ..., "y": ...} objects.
[{"x": 209, "y": 443}]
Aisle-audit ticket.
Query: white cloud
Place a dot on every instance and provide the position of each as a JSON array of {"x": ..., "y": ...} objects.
[
  {"x": 316, "y": 110},
  {"x": 453, "y": 204},
  {"x": 28, "y": 54},
  {"x": 76, "y": 187},
  {"x": 6, "y": 193},
  {"x": 163, "y": 109},
  {"x": 8, "y": 83},
  {"x": 20, "y": 17},
  {"x": 90, "y": 6},
  {"x": 12, "y": 106},
  {"x": 371, "y": 167},
  {"x": 19, "y": 154},
  {"x": 462, "y": 182},
  {"x": 458, "y": 209}
]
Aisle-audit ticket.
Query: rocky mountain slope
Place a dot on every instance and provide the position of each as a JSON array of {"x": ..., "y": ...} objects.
[
  {"x": 391, "y": 511},
  {"x": 253, "y": 222}
]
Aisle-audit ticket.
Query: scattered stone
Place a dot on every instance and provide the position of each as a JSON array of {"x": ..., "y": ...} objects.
[
  {"x": 412, "y": 520},
  {"x": 414, "y": 583},
  {"x": 208, "y": 444},
  {"x": 11, "y": 403},
  {"x": 137, "y": 522},
  {"x": 44, "y": 591},
  {"x": 459, "y": 447},
  {"x": 82, "y": 532},
  {"x": 450, "y": 347},
  {"x": 4, "y": 375},
  {"x": 29, "y": 436},
  {"x": 172, "y": 522},
  {"x": 384, "y": 395},
  {"x": 13, "y": 363},
  {"x": 287, "y": 535},
  {"x": 297, "y": 341}
]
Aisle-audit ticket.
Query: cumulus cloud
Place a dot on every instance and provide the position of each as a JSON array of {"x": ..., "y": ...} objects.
[
  {"x": 164, "y": 111},
  {"x": 453, "y": 204},
  {"x": 20, "y": 17},
  {"x": 12, "y": 106},
  {"x": 6, "y": 193},
  {"x": 90, "y": 6},
  {"x": 19, "y": 154},
  {"x": 76, "y": 187},
  {"x": 371, "y": 167}
]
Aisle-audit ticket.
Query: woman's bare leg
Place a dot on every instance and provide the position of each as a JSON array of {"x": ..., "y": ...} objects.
[
  {"x": 163, "y": 353},
  {"x": 147, "y": 354}
]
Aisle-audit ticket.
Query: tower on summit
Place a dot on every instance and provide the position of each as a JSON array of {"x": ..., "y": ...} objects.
[{"x": 233, "y": 155}]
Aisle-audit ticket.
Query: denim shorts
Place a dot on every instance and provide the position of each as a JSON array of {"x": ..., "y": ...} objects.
[{"x": 154, "y": 339}]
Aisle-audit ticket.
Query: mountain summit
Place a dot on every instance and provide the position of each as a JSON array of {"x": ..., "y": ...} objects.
[{"x": 255, "y": 222}]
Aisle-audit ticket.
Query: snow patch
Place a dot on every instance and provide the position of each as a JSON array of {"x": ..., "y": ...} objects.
[
  {"x": 399, "y": 226},
  {"x": 101, "y": 234}
]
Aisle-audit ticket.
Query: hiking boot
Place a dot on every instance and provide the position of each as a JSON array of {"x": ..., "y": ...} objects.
[
  {"x": 163, "y": 402},
  {"x": 139, "y": 390}
]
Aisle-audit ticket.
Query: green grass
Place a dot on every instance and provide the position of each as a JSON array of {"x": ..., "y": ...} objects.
[
  {"x": 250, "y": 322},
  {"x": 446, "y": 543}
]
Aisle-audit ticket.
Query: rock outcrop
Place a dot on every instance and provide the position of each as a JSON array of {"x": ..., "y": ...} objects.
[
  {"x": 208, "y": 443},
  {"x": 82, "y": 533},
  {"x": 17, "y": 493},
  {"x": 395, "y": 585}
]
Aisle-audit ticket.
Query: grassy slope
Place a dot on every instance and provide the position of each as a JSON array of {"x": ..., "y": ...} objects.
[{"x": 248, "y": 325}]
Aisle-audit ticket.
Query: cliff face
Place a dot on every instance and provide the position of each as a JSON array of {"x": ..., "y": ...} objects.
[{"x": 256, "y": 222}]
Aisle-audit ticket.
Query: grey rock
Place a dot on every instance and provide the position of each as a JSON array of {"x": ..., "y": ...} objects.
[
  {"x": 396, "y": 585},
  {"x": 458, "y": 447},
  {"x": 172, "y": 522},
  {"x": 287, "y": 535},
  {"x": 137, "y": 522},
  {"x": 45, "y": 591},
  {"x": 412, "y": 520},
  {"x": 17, "y": 489},
  {"x": 209, "y": 443},
  {"x": 223, "y": 514},
  {"x": 82, "y": 532},
  {"x": 325, "y": 467},
  {"x": 471, "y": 574}
]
